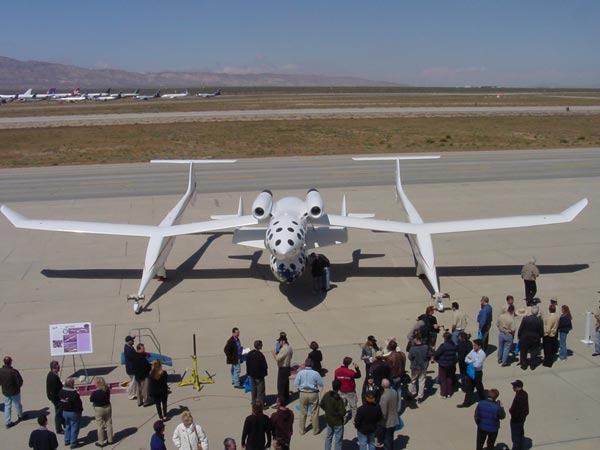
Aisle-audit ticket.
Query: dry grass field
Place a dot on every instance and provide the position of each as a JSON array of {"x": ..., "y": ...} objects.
[{"x": 136, "y": 143}]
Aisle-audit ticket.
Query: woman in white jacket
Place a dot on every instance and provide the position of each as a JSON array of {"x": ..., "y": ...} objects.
[{"x": 188, "y": 435}]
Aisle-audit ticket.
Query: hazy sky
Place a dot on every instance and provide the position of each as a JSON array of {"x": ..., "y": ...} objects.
[{"x": 417, "y": 42}]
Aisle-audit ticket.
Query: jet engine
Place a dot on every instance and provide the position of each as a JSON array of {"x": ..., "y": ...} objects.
[
  {"x": 314, "y": 203},
  {"x": 289, "y": 270},
  {"x": 261, "y": 208}
]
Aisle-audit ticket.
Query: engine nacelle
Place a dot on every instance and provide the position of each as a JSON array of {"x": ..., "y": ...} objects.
[
  {"x": 261, "y": 208},
  {"x": 314, "y": 203}
]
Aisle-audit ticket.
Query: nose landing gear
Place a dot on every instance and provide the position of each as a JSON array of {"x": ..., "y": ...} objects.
[{"x": 137, "y": 299}]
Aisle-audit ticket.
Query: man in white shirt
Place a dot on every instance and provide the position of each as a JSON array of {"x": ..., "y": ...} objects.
[{"x": 476, "y": 357}]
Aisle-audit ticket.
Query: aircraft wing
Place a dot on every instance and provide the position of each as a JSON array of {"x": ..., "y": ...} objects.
[
  {"x": 457, "y": 226},
  {"x": 506, "y": 222},
  {"x": 124, "y": 229},
  {"x": 209, "y": 225},
  {"x": 370, "y": 224},
  {"x": 72, "y": 226}
]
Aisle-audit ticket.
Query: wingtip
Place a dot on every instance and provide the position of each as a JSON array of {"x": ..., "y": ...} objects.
[
  {"x": 13, "y": 216},
  {"x": 573, "y": 211}
]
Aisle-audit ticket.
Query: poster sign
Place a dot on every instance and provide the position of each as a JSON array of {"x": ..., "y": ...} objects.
[{"x": 70, "y": 339}]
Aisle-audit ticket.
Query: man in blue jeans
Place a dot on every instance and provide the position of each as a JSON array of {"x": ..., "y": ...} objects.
[
  {"x": 506, "y": 332},
  {"x": 11, "y": 382},
  {"x": 484, "y": 320},
  {"x": 366, "y": 420},
  {"x": 233, "y": 353},
  {"x": 72, "y": 409},
  {"x": 597, "y": 349},
  {"x": 335, "y": 414}
]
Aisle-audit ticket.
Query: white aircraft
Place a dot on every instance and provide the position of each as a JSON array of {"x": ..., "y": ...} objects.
[
  {"x": 8, "y": 97},
  {"x": 106, "y": 98},
  {"x": 73, "y": 98},
  {"x": 127, "y": 94},
  {"x": 49, "y": 93},
  {"x": 176, "y": 95},
  {"x": 61, "y": 95},
  {"x": 27, "y": 95},
  {"x": 207, "y": 95},
  {"x": 98, "y": 94},
  {"x": 288, "y": 228},
  {"x": 148, "y": 97}
]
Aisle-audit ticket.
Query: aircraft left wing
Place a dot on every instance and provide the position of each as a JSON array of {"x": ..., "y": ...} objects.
[
  {"x": 124, "y": 229},
  {"x": 506, "y": 222},
  {"x": 458, "y": 225}
]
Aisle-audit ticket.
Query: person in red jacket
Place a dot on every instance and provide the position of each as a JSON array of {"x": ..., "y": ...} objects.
[{"x": 348, "y": 388}]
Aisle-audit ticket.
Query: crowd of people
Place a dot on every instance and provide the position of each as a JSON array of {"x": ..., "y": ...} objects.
[{"x": 393, "y": 379}]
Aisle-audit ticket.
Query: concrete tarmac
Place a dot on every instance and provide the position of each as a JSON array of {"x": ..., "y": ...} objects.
[{"x": 48, "y": 278}]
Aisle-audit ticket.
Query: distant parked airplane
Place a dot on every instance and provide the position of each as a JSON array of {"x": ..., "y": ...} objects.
[
  {"x": 206, "y": 95},
  {"x": 148, "y": 97},
  {"x": 98, "y": 94},
  {"x": 61, "y": 95},
  {"x": 126, "y": 94},
  {"x": 176, "y": 95}
]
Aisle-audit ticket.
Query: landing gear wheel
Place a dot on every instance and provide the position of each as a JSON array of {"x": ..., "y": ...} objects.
[
  {"x": 438, "y": 300},
  {"x": 137, "y": 305}
]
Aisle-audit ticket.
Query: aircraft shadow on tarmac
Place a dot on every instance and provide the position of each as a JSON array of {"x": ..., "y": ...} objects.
[{"x": 300, "y": 293}]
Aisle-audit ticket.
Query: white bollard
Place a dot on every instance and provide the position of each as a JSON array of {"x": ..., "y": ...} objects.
[{"x": 587, "y": 338}]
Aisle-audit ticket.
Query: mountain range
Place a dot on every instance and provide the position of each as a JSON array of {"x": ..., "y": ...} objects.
[{"x": 40, "y": 75}]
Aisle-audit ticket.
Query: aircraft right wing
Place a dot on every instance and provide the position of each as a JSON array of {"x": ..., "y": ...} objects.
[{"x": 72, "y": 226}]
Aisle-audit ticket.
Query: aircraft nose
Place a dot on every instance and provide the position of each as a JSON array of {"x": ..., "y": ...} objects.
[{"x": 287, "y": 249}]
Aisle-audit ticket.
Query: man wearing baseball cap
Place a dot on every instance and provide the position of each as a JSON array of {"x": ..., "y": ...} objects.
[
  {"x": 518, "y": 413},
  {"x": 130, "y": 355}
]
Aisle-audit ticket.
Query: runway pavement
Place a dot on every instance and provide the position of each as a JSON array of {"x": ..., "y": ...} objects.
[
  {"x": 279, "y": 174},
  {"x": 50, "y": 278},
  {"x": 274, "y": 114}
]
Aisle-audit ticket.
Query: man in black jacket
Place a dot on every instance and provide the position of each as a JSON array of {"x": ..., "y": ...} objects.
[
  {"x": 233, "y": 354},
  {"x": 130, "y": 354},
  {"x": 42, "y": 438},
  {"x": 518, "y": 413},
  {"x": 53, "y": 387},
  {"x": 531, "y": 332},
  {"x": 367, "y": 418},
  {"x": 141, "y": 370},
  {"x": 11, "y": 382},
  {"x": 256, "y": 368}
]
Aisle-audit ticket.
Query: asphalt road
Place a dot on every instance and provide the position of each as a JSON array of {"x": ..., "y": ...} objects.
[
  {"x": 287, "y": 114},
  {"x": 281, "y": 174}
]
